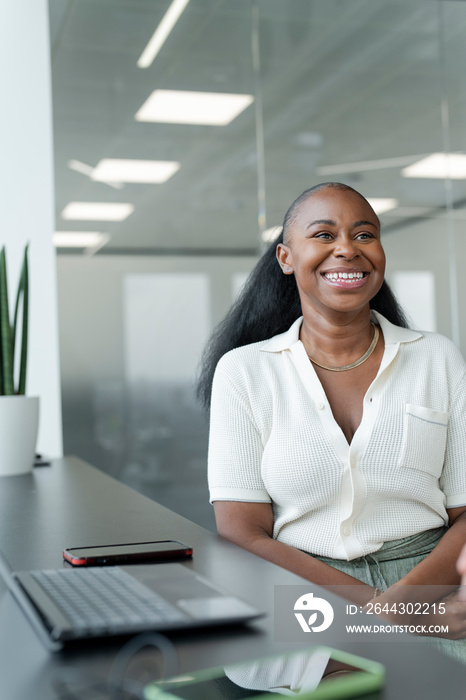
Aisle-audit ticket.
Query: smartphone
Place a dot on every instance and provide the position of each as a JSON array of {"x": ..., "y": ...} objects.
[
  {"x": 318, "y": 673},
  {"x": 110, "y": 554}
]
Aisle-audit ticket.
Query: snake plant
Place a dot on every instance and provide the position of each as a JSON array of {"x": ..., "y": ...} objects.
[{"x": 10, "y": 333}]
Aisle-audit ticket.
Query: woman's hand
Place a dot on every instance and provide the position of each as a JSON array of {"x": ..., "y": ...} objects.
[
  {"x": 412, "y": 607},
  {"x": 415, "y": 598},
  {"x": 461, "y": 567},
  {"x": 454, "y": 616}
]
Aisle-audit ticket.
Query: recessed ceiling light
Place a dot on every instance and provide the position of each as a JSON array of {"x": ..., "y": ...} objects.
[
  {"x": 124, "y": 170},
  {"x": 79, "y": 239},
  {"x": 162, "y": 32},
  {"x": 366, "y": 165},
  {"x": 382, "y": 204},
  {"x": 86, "y": 169},
  {"x": 438, "y": 165},
  {"x": 271, "y": 234},
  {"x": 185, "y": 107},
  {"x": 97, "y": 211}
]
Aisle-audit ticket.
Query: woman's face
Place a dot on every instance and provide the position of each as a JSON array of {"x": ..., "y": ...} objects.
[{"x": 334, "y": 250}]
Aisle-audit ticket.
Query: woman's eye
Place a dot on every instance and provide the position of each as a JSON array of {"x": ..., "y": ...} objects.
[
  {"x": 323, "y": 234},
  {"x": 364, "y": 235}
]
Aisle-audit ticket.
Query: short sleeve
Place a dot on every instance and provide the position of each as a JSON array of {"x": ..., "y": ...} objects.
[
  {"x": 453, "y": 478},
  {"x": 235, "y": 443}
]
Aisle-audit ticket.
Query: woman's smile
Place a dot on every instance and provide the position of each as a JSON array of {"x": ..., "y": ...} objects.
[{"x": 346, "y": 278}]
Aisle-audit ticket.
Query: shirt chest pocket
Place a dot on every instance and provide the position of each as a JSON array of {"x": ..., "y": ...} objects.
[{"x": 424, "y": 439}]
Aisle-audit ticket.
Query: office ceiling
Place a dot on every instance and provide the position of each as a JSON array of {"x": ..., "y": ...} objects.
[{"x": 341, "y": 82}]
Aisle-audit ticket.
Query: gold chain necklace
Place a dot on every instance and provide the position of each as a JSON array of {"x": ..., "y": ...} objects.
[{"x": 362, "y": 359}]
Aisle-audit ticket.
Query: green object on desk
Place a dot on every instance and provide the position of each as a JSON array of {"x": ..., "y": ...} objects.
[{"x": 284, "y": 670}]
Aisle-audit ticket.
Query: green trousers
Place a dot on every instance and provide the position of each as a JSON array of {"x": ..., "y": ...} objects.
[{"x": 389, "y": 564}]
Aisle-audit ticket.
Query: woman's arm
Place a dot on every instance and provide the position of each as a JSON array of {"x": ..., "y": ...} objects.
[
  {"x": 439, "y": 567},
  {"x": 250, "y": 525},
  {"x": 434, "y": 579}
]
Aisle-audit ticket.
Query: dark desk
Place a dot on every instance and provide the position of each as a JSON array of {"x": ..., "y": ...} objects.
[{"x": 73, "y": 504}]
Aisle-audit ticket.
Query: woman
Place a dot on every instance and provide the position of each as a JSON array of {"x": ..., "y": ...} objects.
[{"x": 338, "y": 435}]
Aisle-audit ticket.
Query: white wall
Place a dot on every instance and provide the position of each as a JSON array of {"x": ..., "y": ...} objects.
[
  {"x": 424, "y": 247},
  {"x": 92, "y": 304},
  {"x": 26, "y": 195},
  {"x": 166, "y": 325}
]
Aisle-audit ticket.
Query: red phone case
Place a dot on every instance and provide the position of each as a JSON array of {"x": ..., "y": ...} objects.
[{"x": 110, "y": 560}]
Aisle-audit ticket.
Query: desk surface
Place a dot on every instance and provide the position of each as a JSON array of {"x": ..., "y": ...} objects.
[{"x": 73, "y": 504}]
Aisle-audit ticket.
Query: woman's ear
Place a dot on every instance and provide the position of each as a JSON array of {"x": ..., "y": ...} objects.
[{"x": 284, "y": 258}]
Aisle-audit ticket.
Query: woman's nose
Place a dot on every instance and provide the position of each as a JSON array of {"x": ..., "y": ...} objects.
[{"x": 346, "y": 248}]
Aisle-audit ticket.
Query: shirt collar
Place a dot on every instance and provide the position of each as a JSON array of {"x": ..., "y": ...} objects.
[
  {"x": 392, "y": 334},
  {"x": 395, "y": 334}
]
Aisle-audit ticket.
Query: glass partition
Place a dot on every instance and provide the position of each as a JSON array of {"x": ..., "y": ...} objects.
[{"x": 370, "y": 94}]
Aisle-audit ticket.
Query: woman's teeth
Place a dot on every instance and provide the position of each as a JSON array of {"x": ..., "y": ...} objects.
[{"x": 344, "y": 275}]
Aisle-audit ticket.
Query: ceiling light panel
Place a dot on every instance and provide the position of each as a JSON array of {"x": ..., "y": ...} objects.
[
  {"x": 185, "y": 107},
  {"x": 79, "y": 239},
  {"x": 97, "y": 211},
  {"x": 162, "y": 32},
  {"x": 141, "y": 171},
  {"x": 382, "y": 204},
  {"x": 438, "y": 165},
  {"x": 366, "y": 165}
]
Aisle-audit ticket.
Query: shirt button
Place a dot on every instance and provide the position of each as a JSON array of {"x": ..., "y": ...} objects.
[
  {"x": 346, "y": 531},
  {"x": 320, "y": 406}
]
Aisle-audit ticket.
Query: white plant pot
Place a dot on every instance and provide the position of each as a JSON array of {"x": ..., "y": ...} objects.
[{"x": 19, "y": 421}]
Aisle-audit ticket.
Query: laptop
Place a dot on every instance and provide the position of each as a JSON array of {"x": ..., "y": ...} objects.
[{"x": 69, "y": 605}]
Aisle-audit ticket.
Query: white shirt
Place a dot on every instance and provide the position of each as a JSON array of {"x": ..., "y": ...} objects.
[{"x": 273, "y": 439}]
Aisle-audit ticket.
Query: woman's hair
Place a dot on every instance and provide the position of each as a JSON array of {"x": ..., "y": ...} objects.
[{"x": 269, "y": 304}]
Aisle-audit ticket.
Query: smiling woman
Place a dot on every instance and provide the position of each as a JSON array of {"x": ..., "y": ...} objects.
[
  {"x": 337, "y": 436},
  {"x": 334, "y": 251}
]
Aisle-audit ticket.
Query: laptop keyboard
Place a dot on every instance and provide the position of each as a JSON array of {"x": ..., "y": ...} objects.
[{"x": 105, "y": 599}]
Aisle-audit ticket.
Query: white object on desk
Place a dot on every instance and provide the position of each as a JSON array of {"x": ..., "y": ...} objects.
[{"x": 19, "y": 422}]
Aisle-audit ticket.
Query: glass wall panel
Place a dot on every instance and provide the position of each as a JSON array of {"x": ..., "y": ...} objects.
[
  {"x": 210, "y": 201},
  {"x": 151, "y": 437},
  {"x": 163, "y": 343},
  {"x": 452, "y": 26},
  {"x": 363, "y": 102},
  {"x": 370, "y": 94}
]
